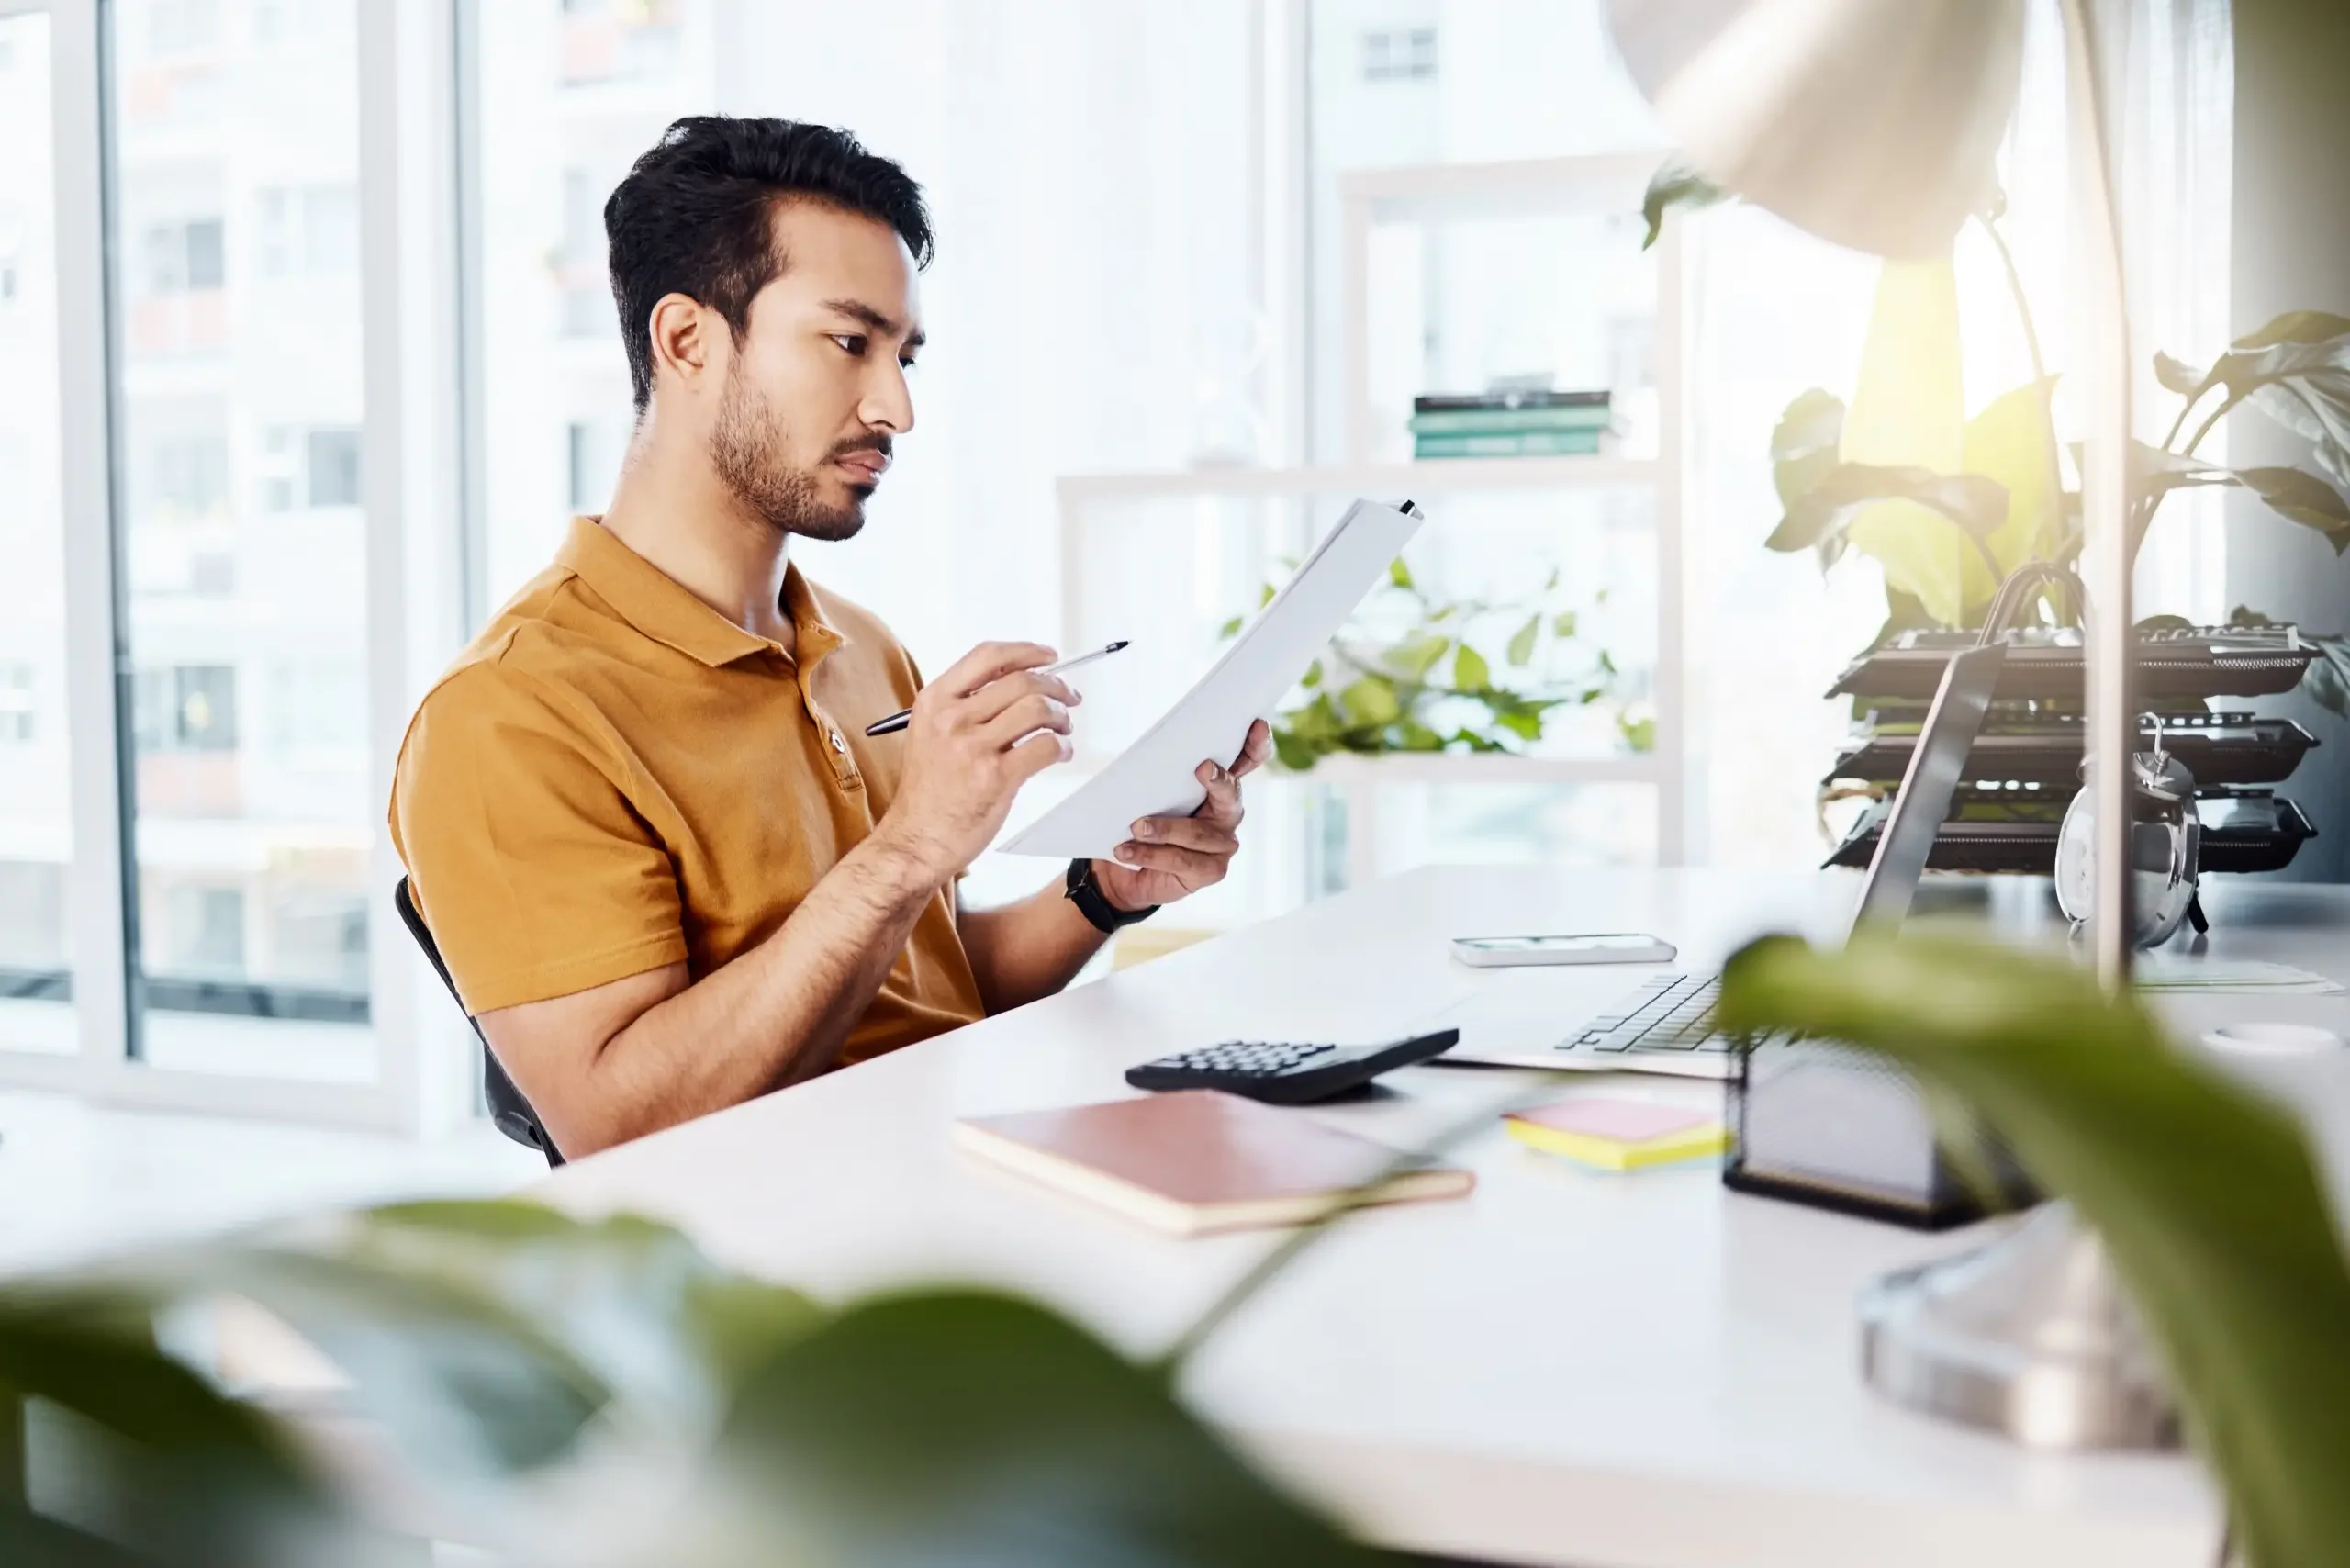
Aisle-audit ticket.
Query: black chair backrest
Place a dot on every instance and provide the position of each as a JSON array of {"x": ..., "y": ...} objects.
[{"x": 508, "y": 1112}]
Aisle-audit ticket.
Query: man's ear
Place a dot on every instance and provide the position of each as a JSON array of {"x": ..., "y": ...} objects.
[{"x": 688, "y": 341}]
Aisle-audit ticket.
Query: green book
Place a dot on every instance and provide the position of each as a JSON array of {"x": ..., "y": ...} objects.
[
  {"x": 1498, "y": 422},
  {"x": 1522, "y": 443}
]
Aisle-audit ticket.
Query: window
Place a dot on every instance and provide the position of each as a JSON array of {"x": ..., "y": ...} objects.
[
  {"x": 32, "y": 921},
  {"x": 16, "y": 703},
  {"x": 183, "y": 257},
  {"x": 619, "y": 40},
  {"x": 204, "y": 930},
  {"x": 182, "y": 476},
  {"x": 588, "y": 309},
  {"x": 594, "y": 448},
  {"x": 1401, "y": 54},
  {"x": 184, "y": 707},
  {"x": 316, "y": 705},
  {"x": 334, "y": 467},
  {"x": 12, "y": 248},
  {"x": 306, "y": 469},
  {"x": 182, "y": 27},
  {"x": 239, "y": 238},
  {"x": 307, "y": 230}
]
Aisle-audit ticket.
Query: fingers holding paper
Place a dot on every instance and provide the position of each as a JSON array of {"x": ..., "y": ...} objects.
[{"x": 1171, "y": 856}]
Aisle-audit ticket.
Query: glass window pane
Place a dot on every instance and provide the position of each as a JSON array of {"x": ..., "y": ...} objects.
[
  {"x": 36, "y": 818},
  {"x": 573, "y": 91},
  {"x": 237, "y": 165}
]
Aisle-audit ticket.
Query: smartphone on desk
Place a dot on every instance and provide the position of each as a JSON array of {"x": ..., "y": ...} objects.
[{"x": 1589, "y": 947}]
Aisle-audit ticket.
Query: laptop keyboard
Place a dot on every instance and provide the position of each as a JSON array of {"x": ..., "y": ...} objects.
[{"x": 1671, "y": 1012}]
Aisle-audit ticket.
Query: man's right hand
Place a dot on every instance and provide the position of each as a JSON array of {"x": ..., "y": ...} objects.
[{"x": 973, "y": 741}]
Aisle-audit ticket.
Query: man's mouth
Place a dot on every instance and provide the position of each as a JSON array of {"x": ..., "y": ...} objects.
[{"x": 868, "y": 465}]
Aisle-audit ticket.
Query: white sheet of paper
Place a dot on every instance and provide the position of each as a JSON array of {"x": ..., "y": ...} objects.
[{"x": 1155, "y": 777}]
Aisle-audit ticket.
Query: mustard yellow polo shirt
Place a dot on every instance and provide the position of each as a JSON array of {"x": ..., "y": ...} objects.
[{"x": 614, "y": 777}]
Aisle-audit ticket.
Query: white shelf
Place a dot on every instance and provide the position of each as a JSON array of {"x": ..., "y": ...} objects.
[
  {"x": 1346, "y": 771},
  {"x": 1436, "y": 194},
  {"x": 1433, "y": 476},
  {"x": 1470, "y": 767}
]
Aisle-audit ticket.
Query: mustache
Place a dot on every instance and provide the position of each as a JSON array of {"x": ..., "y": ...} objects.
[{"x": 877, "y": 443}]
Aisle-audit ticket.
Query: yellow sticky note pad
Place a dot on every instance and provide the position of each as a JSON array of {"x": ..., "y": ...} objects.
[{"x": 1619, "y": 1135}]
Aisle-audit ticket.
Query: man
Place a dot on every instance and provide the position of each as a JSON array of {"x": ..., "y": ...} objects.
[{"x": 640, "y": 815}]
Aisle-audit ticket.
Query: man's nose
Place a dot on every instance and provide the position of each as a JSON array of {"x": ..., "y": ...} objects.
[{"x": 889, "y": 401}]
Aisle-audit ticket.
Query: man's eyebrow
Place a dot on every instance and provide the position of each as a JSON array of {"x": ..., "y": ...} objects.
[{"x": 877, "y": 321}]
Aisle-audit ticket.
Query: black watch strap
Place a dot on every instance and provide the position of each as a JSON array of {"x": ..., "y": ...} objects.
[{"x": 1085, "y": 893}]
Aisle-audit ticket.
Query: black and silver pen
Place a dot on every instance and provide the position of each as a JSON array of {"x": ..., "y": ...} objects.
[{"x": 904, "y": 716}]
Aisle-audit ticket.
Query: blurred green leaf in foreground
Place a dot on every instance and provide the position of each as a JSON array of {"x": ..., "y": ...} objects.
[{"x": 2205, "y": 1195}]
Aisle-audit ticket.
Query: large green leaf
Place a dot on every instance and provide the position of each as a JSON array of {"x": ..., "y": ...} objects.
[
  {"x": 1470, "y": 670},
  {"x": 1976, "y": 504},
  {"x": 2292, "y": 493},
  {"x": 1909, "y": 413},
  {"x": 1804, "y": 444},
  {"x": 2296, "y": 327},
  {"x": 1676, "y": 185},
  {"x": 167, "y": 1470},
  {"x": 1371, "y": 700},
  {"x": 1417, "y": 655},
  {"x": 482, "y": 1336},
  {"x": 971, "y": 1428},
  {"x": 2178, "y": 375},
  {"x": 2297, "y": 370},
  {"x": 1520, "y": 649},
  {"x": 2011, "y": 443},
  {"x": 2327, "y": 680},
  {"x": 2205, "y": 1195}
]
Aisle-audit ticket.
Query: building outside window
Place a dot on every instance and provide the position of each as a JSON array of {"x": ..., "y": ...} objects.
[{"x": 186, "y": 708}]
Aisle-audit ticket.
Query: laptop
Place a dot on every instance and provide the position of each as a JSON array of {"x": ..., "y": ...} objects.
[{"x": 1666, "y": 1026}]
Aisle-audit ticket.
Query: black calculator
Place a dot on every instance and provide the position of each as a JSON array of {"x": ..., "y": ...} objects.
[{"x": 1285, "y": 1074}]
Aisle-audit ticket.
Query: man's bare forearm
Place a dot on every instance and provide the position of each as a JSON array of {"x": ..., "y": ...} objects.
[
  {"x": 777, "y": 1014},
  {"x": 1029, "y": 949}
]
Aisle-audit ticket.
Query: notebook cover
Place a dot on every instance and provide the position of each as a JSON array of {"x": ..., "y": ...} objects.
[{"x": 1197, "y": 1159}]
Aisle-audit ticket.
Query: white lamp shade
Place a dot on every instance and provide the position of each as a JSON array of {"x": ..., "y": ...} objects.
[{"x": 1871, "y": 123}]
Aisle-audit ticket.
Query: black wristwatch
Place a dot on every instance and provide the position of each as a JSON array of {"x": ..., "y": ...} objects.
[{"x": 1085, "y": 893}]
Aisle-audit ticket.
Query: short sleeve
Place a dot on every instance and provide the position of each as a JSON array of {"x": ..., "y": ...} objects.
[{"x": 534, "y": 874}]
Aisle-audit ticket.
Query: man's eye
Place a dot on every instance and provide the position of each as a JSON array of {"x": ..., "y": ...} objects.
[
  {"x": 906, "y": 364},
  {"x": 852, "y": 342}
]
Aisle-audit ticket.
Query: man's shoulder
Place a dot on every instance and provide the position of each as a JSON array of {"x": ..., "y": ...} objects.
[{"x": 515, "y": 667}]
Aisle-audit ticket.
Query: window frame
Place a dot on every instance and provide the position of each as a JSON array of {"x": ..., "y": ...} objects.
[{"x": 406, "y": 215}]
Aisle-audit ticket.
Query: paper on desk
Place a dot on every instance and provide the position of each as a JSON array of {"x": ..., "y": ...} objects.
[
  {"x": 2188, "y": 971},
  {"x": 1155, "y": 777}
]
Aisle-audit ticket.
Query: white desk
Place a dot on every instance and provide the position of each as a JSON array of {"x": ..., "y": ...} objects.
[{"x": 1565, "y": 1368}]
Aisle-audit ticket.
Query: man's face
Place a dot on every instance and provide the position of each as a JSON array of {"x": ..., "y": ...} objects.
[{"x": 815, "y": 390}]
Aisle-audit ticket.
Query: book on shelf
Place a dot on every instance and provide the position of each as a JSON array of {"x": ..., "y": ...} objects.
[
  {"x": 1509, "y": 444},
  {"x": 1473, "y": 402},
  {"x": 1504, "y": 422}
]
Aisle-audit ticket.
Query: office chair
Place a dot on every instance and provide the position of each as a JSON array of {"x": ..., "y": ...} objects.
[{"x": 508, "y": 1112}]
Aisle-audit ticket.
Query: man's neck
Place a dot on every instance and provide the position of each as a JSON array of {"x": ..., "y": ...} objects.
[{"x": 671, "y": 508}]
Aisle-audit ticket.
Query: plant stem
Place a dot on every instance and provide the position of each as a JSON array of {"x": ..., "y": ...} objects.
[
  {"x": 2055, "y": 475},
  {"x": 2142, "y": 516},
  {"x": 2023, "y": 305},
  {"x": 2205, "y": 427}
]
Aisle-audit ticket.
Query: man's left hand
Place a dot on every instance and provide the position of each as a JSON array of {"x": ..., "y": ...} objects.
[{"x": 1171, "y": 857}]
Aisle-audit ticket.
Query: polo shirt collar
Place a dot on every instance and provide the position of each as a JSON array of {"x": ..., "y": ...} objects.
[{"x": 650, "y": 600}]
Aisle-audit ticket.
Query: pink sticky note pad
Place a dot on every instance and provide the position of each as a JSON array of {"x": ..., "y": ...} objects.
[{"x": 1624, "y": 1121}]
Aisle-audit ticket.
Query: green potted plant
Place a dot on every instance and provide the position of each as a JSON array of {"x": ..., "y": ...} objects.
[
  {"x": 1948, "y": 507},
  {"x": 1415, "y": 672}
]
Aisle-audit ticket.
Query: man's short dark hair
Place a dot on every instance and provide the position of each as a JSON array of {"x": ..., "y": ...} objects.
[{"x": 695, "y": 216}]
